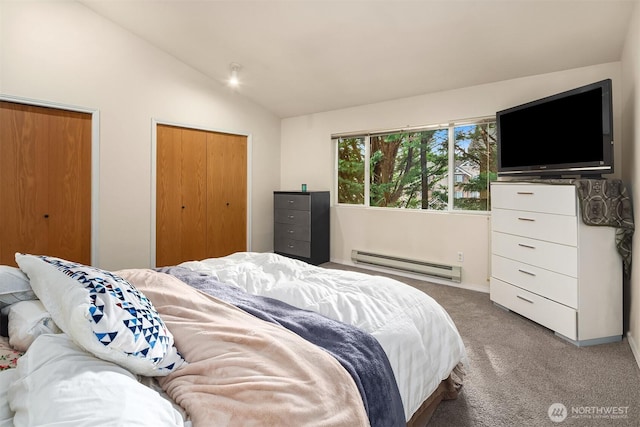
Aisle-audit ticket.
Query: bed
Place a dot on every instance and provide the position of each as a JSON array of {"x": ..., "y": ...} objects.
[{"x": 245, "y": 340}]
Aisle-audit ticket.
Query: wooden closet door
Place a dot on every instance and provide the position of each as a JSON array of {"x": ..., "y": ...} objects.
[
  {"x": 181, "y": 193},
  {"x": 168, "y": 195},
  {"x": 23, "y": 178},
  {"x": 45, "y": 182},
  {"x": 194, "y": 204},
  {"x": 201, "y": 194},
  {"x": 69, "y": 188},
  {"x": 226, "y": 193}
]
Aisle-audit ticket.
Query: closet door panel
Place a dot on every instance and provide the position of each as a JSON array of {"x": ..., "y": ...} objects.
[
  {"x": 227, "y": 193},
  {"x": 168, "y": 195},
  {"x": 24, "y": 131},
  {"x": 194, "y": 213},
  {"x": 68, "y": 216}
]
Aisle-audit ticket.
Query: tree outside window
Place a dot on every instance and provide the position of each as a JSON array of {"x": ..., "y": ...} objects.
[
  {"x": 351, "y": 158},
  {"x": 408, "y": 170}
]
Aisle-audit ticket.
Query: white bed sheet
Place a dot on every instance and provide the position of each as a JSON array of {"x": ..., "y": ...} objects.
[
  {"x": 420, "y": 339},
  {"x": 57, "y": 383}
]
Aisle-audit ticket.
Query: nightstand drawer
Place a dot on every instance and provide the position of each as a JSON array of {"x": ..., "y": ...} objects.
[
  {"x": 554, "y": 286},
  {"x": 550, "y": 227},
  {"x": 292, "y": 201},
  {"x": 555, "y": 316},
  {"x": 288, "y": 216},
  {"x": 292, "y": 247},
  {"x": 551, "y": 256},
  {"x": 556, "y": 199},
  {"x": 293, "y": 231}
]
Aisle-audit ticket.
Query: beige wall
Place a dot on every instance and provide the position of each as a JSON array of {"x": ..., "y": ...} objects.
[
  {"x": 62, "y": 52},
  {"x": 631, "y": 169},
  {"x": 308, "y": 157}
]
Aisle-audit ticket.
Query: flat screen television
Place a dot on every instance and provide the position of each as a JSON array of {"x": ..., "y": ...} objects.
[{"x": 567, "y": 134}]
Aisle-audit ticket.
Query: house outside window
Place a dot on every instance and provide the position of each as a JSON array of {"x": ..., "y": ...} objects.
[{"x": 409, "y": 169}]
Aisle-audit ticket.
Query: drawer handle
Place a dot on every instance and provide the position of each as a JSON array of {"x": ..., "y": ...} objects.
[
  {"x": 526, "y": 219},
  {"x": 528, "y": 193},
  {"x": 290, "y": 246},
  {"x": 526, "y": 246},
  {"x": 291, "y": 202},
  {"x": 290, "y": 216},
  {"x": 525, "y": 299},
  {"x": 527, "y": 272},
  {"x": 290, "y": 231}
]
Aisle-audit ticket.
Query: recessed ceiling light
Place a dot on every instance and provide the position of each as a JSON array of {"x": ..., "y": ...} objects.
[{"x": 234, "y": 79}]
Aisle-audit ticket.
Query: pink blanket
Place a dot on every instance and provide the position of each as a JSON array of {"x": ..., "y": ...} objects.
[{"x": 244, "y": 371}]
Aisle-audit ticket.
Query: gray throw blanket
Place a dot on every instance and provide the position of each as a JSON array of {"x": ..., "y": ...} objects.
[
  {"x": 606, "y": 202},
  {"x": 357, "y": 351}
]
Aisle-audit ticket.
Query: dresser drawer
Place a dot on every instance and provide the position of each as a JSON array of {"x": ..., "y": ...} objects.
[
  {"x": 551, "y": 256},
  {"x": 292, "y": 201},
  {"x": 552, "y": 285},
  {"x": 293, "y": 231},
  {"x": 561, "y": 229},
  {"x": 289, "y": 216},
  {"x": 285, "y": 245},
  {"x": 555, "y": 316},
  {"x": 556, "y": 199}
]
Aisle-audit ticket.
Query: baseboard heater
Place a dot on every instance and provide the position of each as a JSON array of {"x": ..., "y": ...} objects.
[{"x": 443, "y": 271}]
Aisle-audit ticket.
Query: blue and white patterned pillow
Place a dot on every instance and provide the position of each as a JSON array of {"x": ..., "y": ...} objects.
[{"x": 104, "y": 314}]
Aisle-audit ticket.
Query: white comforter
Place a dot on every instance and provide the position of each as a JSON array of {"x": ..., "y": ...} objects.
[{"x": 417, "y": 334}]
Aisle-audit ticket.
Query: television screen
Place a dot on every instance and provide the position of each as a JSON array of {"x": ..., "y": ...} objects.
[{"x": 565, "y": 134}]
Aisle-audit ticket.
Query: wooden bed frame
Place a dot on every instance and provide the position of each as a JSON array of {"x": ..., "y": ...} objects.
[{"x": 447, "y": 390}]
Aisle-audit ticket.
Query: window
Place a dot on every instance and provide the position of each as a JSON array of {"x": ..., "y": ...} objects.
[
  {"x": 410, "y": 169},
  {"x": 475, "y": 160},
  {"x": 351, "y": 158}
]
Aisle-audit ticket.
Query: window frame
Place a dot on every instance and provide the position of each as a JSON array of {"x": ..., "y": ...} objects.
[{"x": 451, "y": 126}]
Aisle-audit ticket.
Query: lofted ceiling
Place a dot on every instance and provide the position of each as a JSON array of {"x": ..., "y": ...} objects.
[{"x": 306, "y": 56}]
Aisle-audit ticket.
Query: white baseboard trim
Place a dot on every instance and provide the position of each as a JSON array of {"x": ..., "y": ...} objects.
[
  {"x": 634, "y": 348},
  {"x": 471, "y": 287}
]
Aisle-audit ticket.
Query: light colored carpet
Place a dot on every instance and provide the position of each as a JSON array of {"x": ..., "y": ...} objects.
[{"x": 518, "y": 369}]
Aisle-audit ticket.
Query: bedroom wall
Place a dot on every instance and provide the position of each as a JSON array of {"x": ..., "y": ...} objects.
[
  {"x": 631, "y": 168},
  {"x": 307, "y": 156},
  {"x": 62, "y": 52}
]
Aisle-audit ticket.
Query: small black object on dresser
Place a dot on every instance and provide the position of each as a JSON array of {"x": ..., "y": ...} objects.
[{"x": 301, "y": 225}]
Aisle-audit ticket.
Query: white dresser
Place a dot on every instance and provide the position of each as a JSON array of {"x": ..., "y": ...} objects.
[{"x": 550, "y": 267}]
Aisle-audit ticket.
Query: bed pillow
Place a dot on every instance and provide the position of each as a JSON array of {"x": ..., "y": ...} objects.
[
  {"x": 14, "y": 286},
  {"x": 60, "y": 384},
  {"x": 104, "y": 314},
  {"x": 28, "y": 320}
]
